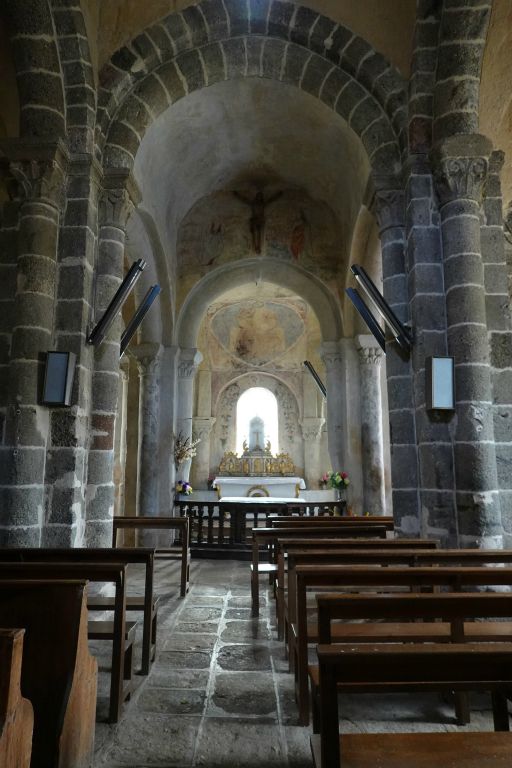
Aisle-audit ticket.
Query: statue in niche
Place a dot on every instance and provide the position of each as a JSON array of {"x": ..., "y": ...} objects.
[{"x": 257, "y": 220}]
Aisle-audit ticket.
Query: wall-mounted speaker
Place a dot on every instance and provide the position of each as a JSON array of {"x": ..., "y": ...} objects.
[{"x": 58, "y": 378}]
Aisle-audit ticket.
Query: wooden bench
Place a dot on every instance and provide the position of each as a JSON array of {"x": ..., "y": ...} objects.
[
  {"x": 268, "y": 536},
  {"x": 367, "y": 520},
  {"x": 16, "y": 713},
  {"x": 324, "y": 551},
  {"x": 59, "y": 675},
  {"x": 119, "y": 631},
  {"x": 486, "y": 667},
  {"x": 303, "y": 632},
  {"x": 147, "y": 604},
  {"x": 180, "y": 524},
  {"x": 457, "y": 612}
]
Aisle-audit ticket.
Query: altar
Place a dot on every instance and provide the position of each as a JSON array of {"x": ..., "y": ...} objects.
[{"x": 258, "y": 487}]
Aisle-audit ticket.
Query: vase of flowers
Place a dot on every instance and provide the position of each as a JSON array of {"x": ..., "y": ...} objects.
[
  {"x": 184, "y": 449},
  {"x": 339, "y": 481},
  {"x": 184, "y": 488}
]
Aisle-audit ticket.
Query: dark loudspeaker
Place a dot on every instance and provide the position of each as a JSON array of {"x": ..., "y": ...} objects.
[{"x": 58, "y": 378}]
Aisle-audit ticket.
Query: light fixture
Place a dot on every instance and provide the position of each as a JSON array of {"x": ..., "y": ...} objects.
[
  {"x": 138, "y": 317},
  {"x": 59, "y": 372},
  {"x": 440, "y": 383},
  {"x": 401, "y": 333},
  {"x": 320, "y": 384},
  {"x": 101, "y": 329},
  {"x": 367, "y": 316}
]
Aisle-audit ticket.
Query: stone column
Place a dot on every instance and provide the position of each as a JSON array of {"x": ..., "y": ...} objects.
[
  {"x": 188, "y": 362},
  {"x": 336, "y": 396},
  {"x": 311, "y": 434},
  {"x": 38, "y": 176},
  {"x": 201, "y": 430},
  {"x": 460, "y": 170},
  {"x": 148, "y": 358},
  {"x": 120, "y": 439},
  {"x": 116, "y": 204},
  {"x": 372, "y": 444}
]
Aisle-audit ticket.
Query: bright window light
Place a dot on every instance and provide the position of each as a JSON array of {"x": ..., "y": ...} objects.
[{"x": 257, "y": 401}]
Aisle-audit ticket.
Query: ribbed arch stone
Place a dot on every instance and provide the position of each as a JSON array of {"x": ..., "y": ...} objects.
[{"x": 222, "y": 39}]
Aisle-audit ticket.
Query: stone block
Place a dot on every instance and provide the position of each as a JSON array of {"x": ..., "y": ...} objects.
[
  {"x": 238, "y": 17},
  {"x": 100, "y": 466},
  {"x": 465, "y": 23},
  {"x": 433, "y": 426},
  {"x": 195, "y": 22},
  {"x": 459, "y": 59},
  {"x": 76, "y": 243},
  {"x": 428, "y": 312},
  {"x": 439, "y": 515},
  {"x": 386, "y": 159},
  {"x": 5, "y": 353},
  {"x": 234, "y": 51},
  {"x": 492, "y": 243},
  {"x": 501, "y": 350},
  {"x": 216, "y": 18},
  {"x": 465, "y": 304},
  {"x": 29, "y": 427},
  {"x": 154, "y": 94},
  {"x": 401, "y": 427},
  {"x": 100, "y": 506},
  {"x": 462, "y": 236},
  {"x": 371, "y": 69},
  {"x": 172, "y": 80},
  {"x": 456, "y": 123},
  {"x": 353, "y": 54},
  {"x": 65, "y": 466},
  {"x": 26, "y": 379},
  {"x": 21, "y": 506},
  {"x": 502, "y": 417},
  {"x": 161, "y": 41},
  {"x": 333, "y": 86},
  {"x": 177, "y": 30},
  {"x": 145, "y": 49},
  {"x": 214, "y": 63},
  {"x": 272, "y": 59},
  {"x": 502, "y": 386},
  {"x": 190, "y": 66},
  {"x": 436, "y": 466},
  {"x": 498, "y": 312},
  {"x": 22, "y": 466},
  {"x": 456, "y": 95},
  {"x": 30, "y": 343},
  {"x": 305, "y": 21},
  {"x": 424, "y": 60},
  {"x": 67, "y": 429},
  {"x": 393, "y": 259},
  {"x": 56, "y": 535},
  {"x": 295, "y": 62},
  {"x": 321, "y": 35},
  {"x": 504, "y": 465},
  {"x": 472, "y": 382},
  {"x": 8, "y": 274},
  {"x": 478, "y": 515},
  {"x": 506, "y": 513},
  {"x": 258, "y": 15},
  {"x": 314, "y": 75},
  {"x": 65, "y": 506},
  {"x": 395, "y": 289},
  {"x": 404, "y": 466},
  {"x": 406, "y": 511},
  {"x": 38, "y": 121},
  {"x": 475, "y": 467},
  {"x": 23, "y": 536},
  {"x": 281, "y": 14},
  {"x": 351, "y": 96},
  {"x": 230, "y": 694},
  {"x": 468, "y": 344},
  {"x": 364, "y": 114}
]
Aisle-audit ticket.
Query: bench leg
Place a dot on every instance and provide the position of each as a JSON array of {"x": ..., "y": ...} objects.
[
  {"x": 462, "y": 711},
  {"x": 500, "y": 712},
  {"x": 153, "y": 637},
  {"x": 128, "y": 671}
]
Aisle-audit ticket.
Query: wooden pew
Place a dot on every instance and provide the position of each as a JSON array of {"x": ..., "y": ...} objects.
[
  {"x": 303, "y": 632},
  {"x": 486, "y": 667},
  {"x": 148, "y": 604},
  {"x": 457, "y": 612},
  {"x": 16, "y": 713},
  {"x": 379, "y": 520},
  {"x": 59, "y": 675},
  {"x": 180, "y": 524},
  {"x": 268, "y": 536},
  {"x": 324, "y": 551},
  {"x": 120, "y": 632}
]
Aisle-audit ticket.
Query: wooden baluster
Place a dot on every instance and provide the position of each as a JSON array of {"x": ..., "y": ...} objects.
[
  {"x": 200, "y": 515},
  {"x": 221, "y": 524},
  {"x": 210, "y": 523}
]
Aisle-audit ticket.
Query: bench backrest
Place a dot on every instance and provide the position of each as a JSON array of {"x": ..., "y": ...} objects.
[
  {"x": 368, "y": 522},
  {"x": 59, "y": 676},
  {"x": 16, "y": 713}
]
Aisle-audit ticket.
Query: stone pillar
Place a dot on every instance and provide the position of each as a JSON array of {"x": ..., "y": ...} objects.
[
  {"x": 372, "y": 443},
  {"x": 188, "y": 362},
  {"x": 38, "y": 173},
  {"x": 311, "y": 434},
  {"x": 336, "y": 396},
  {"x": 200, "y": 470},
  {"x": 148, "y": 358},
  {"x": 116, "y": 204},
  {"x": 460, "y": 170},
  {"x": 120, "y": 439}
]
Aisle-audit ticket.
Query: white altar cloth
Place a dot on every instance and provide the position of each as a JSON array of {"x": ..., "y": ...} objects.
[
  {"x": 282, "y": 487},
  {"x": 260, "y": 500}
]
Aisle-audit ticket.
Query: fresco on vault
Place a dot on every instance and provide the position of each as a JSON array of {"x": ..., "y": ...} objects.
[{"x": 255, "y": 332}]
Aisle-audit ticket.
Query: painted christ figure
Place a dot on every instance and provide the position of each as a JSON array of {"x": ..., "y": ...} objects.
[{"x": 257, "y": 220}]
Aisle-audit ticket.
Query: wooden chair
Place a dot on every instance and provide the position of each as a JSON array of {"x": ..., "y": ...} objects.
[
  {"x": 59, "y": 675},
  {"x": 16, "y": 713}
]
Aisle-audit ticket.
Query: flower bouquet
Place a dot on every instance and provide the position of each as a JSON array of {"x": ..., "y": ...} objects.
[
  {"x": 339, "y": 481},
  {"x": 184, "y": 449},
  {"x": 184, "y": 487}
]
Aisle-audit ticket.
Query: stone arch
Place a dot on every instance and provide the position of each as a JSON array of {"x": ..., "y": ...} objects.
[
  {"x": 218, "y": 40},
  {"x": 256, "y": 270},
  {"x": 461, "y": 44},
  {"x": 38, "y": 69}
]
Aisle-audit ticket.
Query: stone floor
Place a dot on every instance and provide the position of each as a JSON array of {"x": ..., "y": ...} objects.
[{"x": 219, "y": 693}]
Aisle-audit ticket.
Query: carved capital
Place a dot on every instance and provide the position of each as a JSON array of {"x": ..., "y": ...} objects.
[
  {"x": 201, "y": 428},
  {"x": 188, "y": 363},
  {"x": 118, "y": 198},
  {"x": 311, "y": 428},
  {"x": 148, "y": 357},
  {"x": 369, "y": 352},
  {"x": 36, "y": 171},
  {"x": 460, "y": 167},
  {"x": 388, "y": 208},
  {"x": 332, "y": 355}
]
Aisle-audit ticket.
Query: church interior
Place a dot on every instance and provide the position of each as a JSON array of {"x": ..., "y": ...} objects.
[{"x": 255, "y": 344}]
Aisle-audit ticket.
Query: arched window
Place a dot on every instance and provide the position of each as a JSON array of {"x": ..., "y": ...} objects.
[{"x": 261, "y": 402}]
